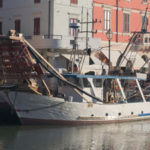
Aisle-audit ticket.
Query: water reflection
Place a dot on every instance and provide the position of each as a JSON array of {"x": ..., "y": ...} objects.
[{"x": 105, "y": 137}]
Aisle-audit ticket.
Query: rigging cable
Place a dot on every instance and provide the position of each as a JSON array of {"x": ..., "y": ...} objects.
[{"x": 65, "y": 81}]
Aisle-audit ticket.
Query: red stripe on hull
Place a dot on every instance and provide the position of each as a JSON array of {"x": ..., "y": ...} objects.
[{"x": 29, "y": 121}]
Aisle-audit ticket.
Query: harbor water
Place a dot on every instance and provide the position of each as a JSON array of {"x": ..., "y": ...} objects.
[{"x": 125, "y": 136}]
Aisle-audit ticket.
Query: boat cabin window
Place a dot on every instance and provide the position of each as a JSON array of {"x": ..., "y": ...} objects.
[
  {"x": 146, "y": 40},
  {"x": 97, "y": 82},
  {"x": 134, "y": 99},
  {"x": 86, "y": 83},
  {"x": 77, "y": 81}
]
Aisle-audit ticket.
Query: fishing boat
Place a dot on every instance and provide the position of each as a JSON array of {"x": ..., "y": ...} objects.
[
  {"x": 35, "y": 109},
  {"x": 77, "y": 99}
]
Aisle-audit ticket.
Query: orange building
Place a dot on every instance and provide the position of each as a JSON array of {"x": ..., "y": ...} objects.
[{"x": 122, "y": 16}]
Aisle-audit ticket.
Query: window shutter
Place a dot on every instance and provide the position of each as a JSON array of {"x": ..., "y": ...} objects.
[
  {"x": 36, "y": 26},
  {"x": 17, "y": 26},
  {"x": 74, "y": 1},
  {"x": 36, "y": 1}
]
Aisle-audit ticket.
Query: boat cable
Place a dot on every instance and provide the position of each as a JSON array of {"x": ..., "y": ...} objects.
[
  {"x": 65, "y": 81},
  {"x": 52, "y": 70},
  {"x": 45, "y": 63},
  {"x": 50, "y": 66}
]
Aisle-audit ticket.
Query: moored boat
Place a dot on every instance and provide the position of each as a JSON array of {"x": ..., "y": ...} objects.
[
  {"x": 78, "y": 99},
  {"x": 36, "y": 109}
]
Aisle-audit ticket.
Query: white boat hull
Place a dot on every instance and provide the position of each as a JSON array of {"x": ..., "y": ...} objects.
[{"x": 35, "y": 109}]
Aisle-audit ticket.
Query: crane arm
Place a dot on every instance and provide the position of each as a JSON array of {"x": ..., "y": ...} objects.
[{"x": 125, "y": 51}]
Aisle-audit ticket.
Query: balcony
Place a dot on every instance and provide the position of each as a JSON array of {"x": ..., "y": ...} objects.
[{"x": 60, "y": 42}]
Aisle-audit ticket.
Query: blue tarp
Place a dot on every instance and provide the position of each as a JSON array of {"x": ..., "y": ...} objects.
[{"x": 101, "y": 76}]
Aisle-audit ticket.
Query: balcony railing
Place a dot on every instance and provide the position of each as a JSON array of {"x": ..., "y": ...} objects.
[
  {"x": 60, "y": 41},
  {"x": 59, "y": 37}
]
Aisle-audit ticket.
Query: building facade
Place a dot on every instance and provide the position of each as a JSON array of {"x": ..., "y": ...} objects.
[
  {"x": 121, "y": 16},
  {"x": 45, "y": 23}
]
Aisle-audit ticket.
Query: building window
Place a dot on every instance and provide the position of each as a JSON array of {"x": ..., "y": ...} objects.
[
  {"x": 126, "y": 23},
  {"x": 1, "y": 28},
  {"x": 73, "y": 31},
  {"x": 74, "y": 1},
  {"x": 17, "y": 25},
  {"x": 36, "y": 1},
  {"x": 36, "y": 26},
  {"x": 106, "y": 19},
  {"x": 1, "y": 3},
  {"x": 145, "y": 1},
  {"x": 144, "y": 23}
]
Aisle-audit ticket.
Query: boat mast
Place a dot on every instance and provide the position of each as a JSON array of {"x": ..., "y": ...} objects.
[
  {"x": 75, "y": 27},
  {"x": 127, "y": 49},
  {"x": 87, "y": 31}
]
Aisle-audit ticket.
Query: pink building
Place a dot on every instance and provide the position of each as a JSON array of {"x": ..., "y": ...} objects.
[{"x": 122, "y": 16}]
